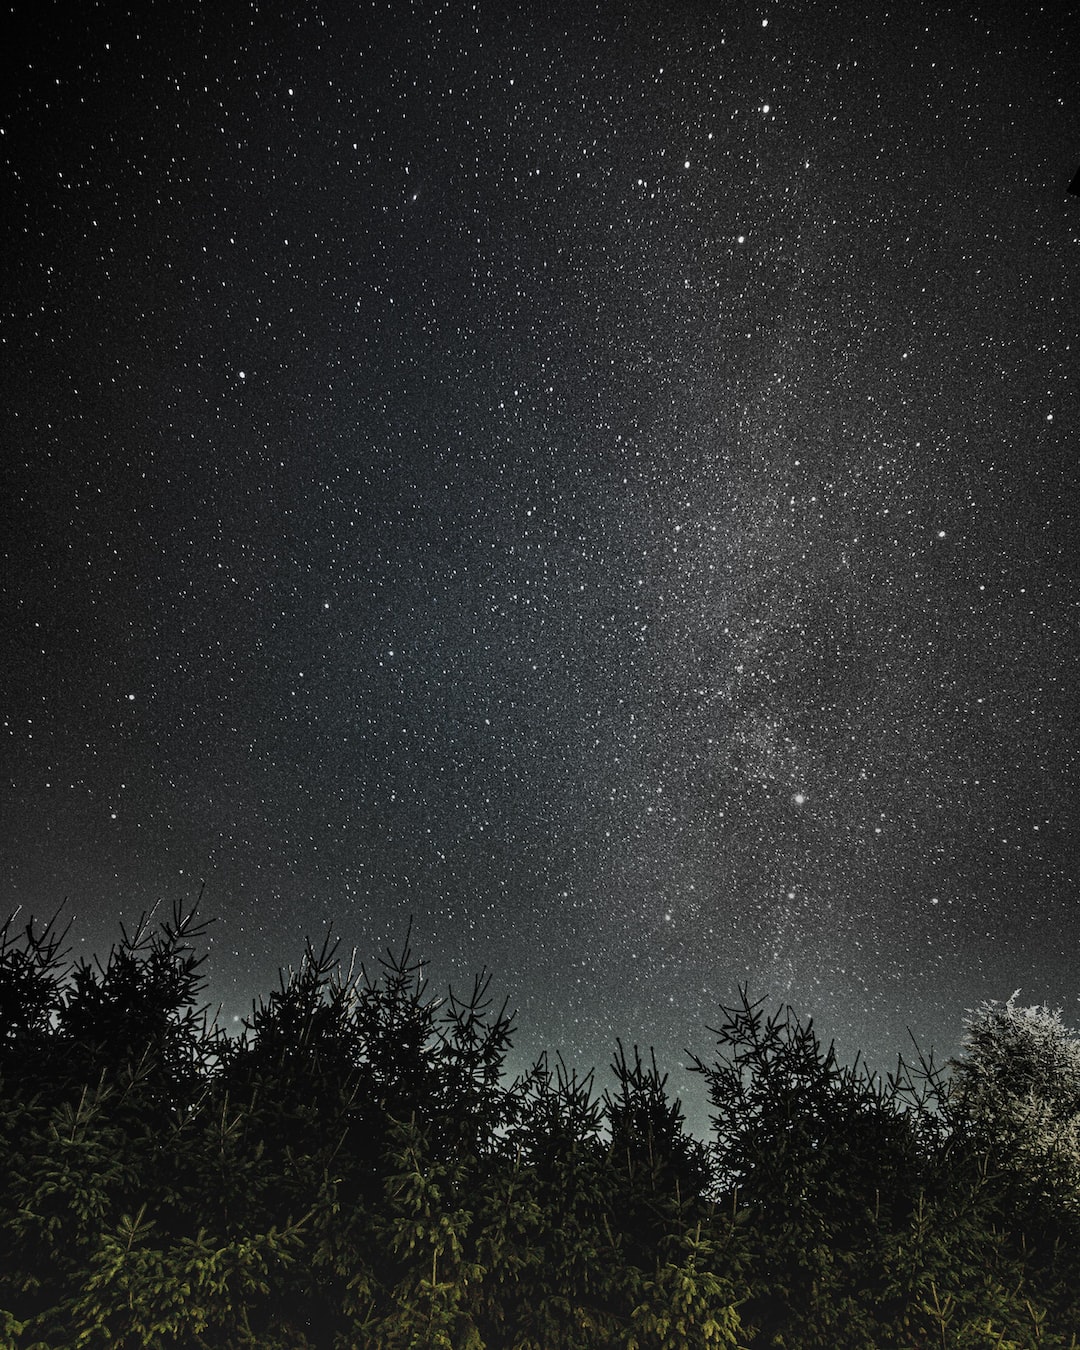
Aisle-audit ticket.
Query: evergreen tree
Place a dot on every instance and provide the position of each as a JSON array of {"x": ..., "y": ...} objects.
[{"x": 357, "y": 1170}]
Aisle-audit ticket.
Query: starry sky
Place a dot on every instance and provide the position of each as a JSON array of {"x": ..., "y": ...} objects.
[{"x": 600, "y": 479}]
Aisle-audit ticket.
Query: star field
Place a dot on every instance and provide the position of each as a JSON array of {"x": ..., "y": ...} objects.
[{"x": 600, "y": 480}]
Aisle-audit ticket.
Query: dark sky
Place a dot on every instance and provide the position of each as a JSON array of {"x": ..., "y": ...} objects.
[{"x": 601, "y": 479}]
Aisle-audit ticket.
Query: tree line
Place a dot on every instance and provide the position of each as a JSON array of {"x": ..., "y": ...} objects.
[{"x": 360, "y": 1170}]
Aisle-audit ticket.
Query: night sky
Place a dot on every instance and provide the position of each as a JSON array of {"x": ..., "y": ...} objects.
[{"x": 600, "y": 479}]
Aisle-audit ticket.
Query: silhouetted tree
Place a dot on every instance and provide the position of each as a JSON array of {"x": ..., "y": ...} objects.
[{"x": 358, "y": 1170}]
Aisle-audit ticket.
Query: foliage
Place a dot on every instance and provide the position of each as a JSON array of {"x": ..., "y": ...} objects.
[
  {"x": 359, "y": 1170},
  {"x": 1019, "y": 1081}
]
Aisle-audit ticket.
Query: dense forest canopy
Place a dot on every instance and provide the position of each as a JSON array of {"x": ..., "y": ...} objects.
[{"x": 360, "y": 1170}]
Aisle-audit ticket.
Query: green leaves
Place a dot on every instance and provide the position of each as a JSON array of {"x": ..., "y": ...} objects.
[
  {"x": 140, "y": 1293},
  {"x": 687, "y": 1305},
  {"x": 358, "y": 1170}
]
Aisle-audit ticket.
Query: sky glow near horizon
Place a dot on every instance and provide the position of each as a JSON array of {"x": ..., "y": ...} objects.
[{"x": 601, "y": 482}]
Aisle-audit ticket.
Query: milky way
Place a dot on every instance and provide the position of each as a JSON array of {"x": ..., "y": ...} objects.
[{"x": 601, "y": 481}]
